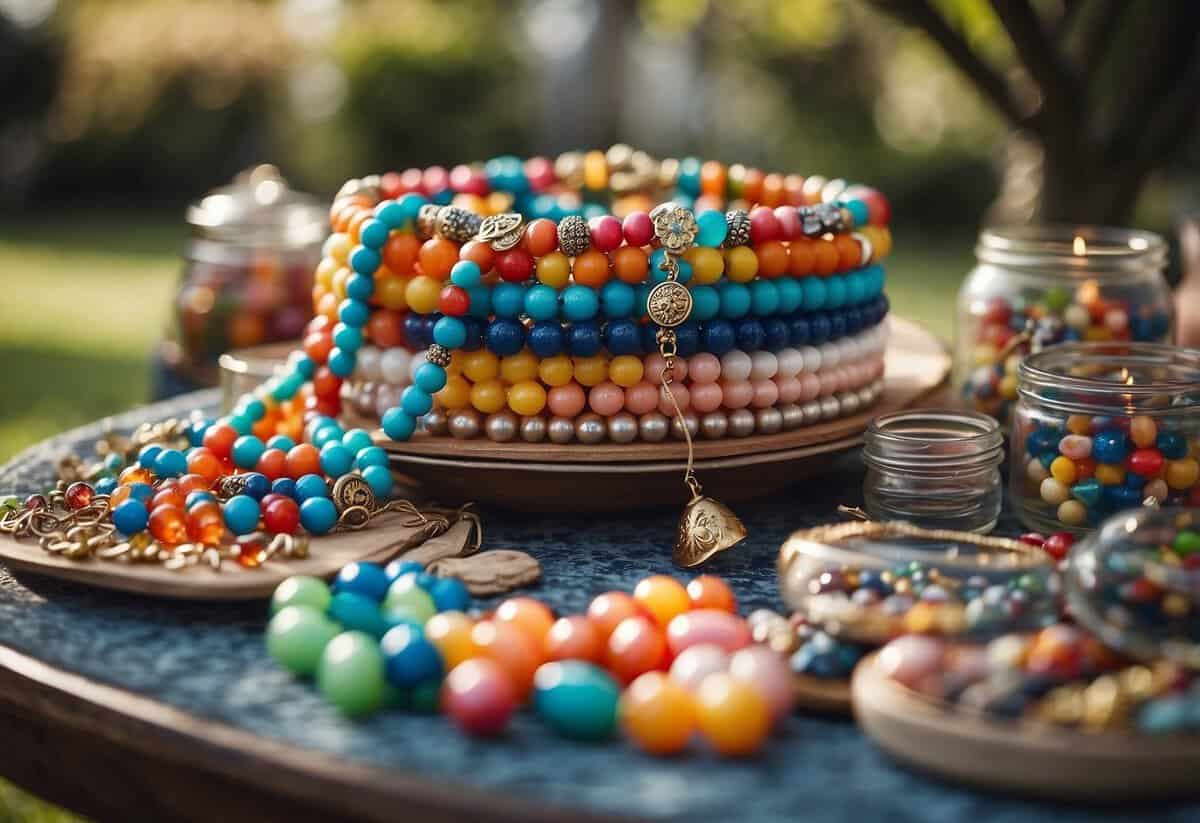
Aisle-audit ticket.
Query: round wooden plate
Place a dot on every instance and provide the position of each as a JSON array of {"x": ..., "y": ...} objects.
[
  {"x": 1015, "y": 757},
  {"x": 615, "y": 477},
  {"x": 822, "y": 695}
]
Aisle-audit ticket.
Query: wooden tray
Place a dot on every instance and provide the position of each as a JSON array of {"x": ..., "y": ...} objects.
[
  {"x": 615, "y": 477},
  {"x": 822, "y": 695},
  {"x": 1013, "y": 757}
]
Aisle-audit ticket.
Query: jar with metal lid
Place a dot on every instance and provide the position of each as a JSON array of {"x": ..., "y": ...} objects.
[
  {"x": 1035, "y": 286},
  {"x": 938, "y": 468},
  {"x": 1103, "y": 427},
  {"x": 248, "y": 272}
]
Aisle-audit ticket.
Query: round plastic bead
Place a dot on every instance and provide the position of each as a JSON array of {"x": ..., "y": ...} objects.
[
  {"x": 170, "y": 463},
  {"x": 281, "y": 516},
  {"x": 662, "y": 597},
  {"x": 532, "y": 617},
  {"x": 450, "y": 594},
  {"x": 579, "y": 303},
  {"x": 131, "y": 516},
  {"x": 358, "y": 612},
  {"x": 318, "y": 515},
  {"x": 408, "y": 599},
  {"x": 297, "y": 636},
  {"x": 635, "y": 646},
  {"x": 708, "y": 626},
  {"x": 766, "y": 671},
  {"x": 301, "y": 590},
  {"x": 241, "y": 514},
  {"x": 731, "y": 715},
  {"x": 658, "y": 714},
  {"x": 409, "y": 659},
  {"x": 607, "y": 610},
  {"x": 479, "y": 696},
  {"x": 350, "y": 674},
  {"x": 450, "y": 634},
  {"x": 367, "y": 579},
  {"x": 578, "y": 700},
  {"x": 574, "y": 638}
]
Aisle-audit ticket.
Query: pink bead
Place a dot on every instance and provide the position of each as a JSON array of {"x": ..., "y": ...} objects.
[
  {"x": 791, "y": 362},
  {"x": 790, "y": 389},
  {"x": 843, "y": 377},
  {"x": 720, "y": 628},
  {"x": 641, "y": 398},
  {"x": 764, "y": 225},
  {"x": 682, "y": 396},
  {"x": 766, "y": 394},
  {"x": 606, "y": 232},
  {"x": 706, "y": 397},
  {"x": 810, "y": 387},
  {"x": 435, "y": 179},
  {"x": 696, "y": 663},
  {"x": 606, "y": 399},
  {"x": 655, "y": 364},
  {"x": 789, "y": 222},
  {"x": 737, "y": 393},
  {"x": 466, "y": 180},
  {"x": 637, "y": 228},
  {"x": 766, "y": 671},
  {"x": 567, "y": 400},
  {"x": 828, "y": 382},
  {"x": 704, "y": 368},
  {"x": 911, "y": 658},
  {"x": 479, "y": 695},
  {"x": 540, "y": 173}
]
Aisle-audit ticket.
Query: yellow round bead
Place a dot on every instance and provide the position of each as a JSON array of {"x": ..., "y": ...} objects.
[
  {"x": 707, "y": 264},
  {"x": 1008, "y": 387},
  {"x": 1110, "y": 475},
  {"x": 625, "y": 370},
  {"x": 456, "y": 362},
  {"x": 554, "y": 270},
  {"x": 556, "y": 370},
  {"x": 519, "y": 367},
  {"x": 1143, "y": 431},
  {"x": 1182, "y": 474},
  {"x": 456, "y": 394},
  {"x": 1063, "y": 470},
  {"x": 422, "y": 294},
  {"x": 488, "y": 396},
  {"x": 741, "y": 264},
  {"x": 480, "y": 365},
  {"x": 338, "y": 246},
  {"x": 595, "y": 171},
  {"x": 1079, "y": 424},
  {"x": 392, "y": 292},
  {"x": 527, "y": 397},
  {"x": 324, "y": 273},
  {"x": 591, "y": 371},
  {"x": 450, "y": 634},
  {"x": 339, "y": 282},
  {"x": 984, "y": 354},
  {"x": 881, "y": 241},
  {"x": 1072, "y": 513}
]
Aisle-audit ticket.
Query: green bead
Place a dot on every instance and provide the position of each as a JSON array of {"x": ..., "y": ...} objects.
[
  {"x": 350, "y": 674},
  {"x": 426, "y": 697},
  {"x": 10, "y": 502},
  {"x": 577, "y": 699},
  {"x": 296, "y": 637},
  {"x": 407, "y": 597},
  {"x": 301, "y": 591},
  {"x": 1186, "y": 542},
  {"x": 1057, "y": 298}
]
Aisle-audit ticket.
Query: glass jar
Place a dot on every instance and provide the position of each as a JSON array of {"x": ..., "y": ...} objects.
[
  {"x": 1103, "y": 427},
  {"x": 1135, "y": 584},
  {"x": 248, "y": 273},
  {"x": 935, "y": 468},
  {"x": 1035, "y": 286}
]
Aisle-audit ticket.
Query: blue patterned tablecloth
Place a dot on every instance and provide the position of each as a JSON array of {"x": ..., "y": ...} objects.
[{"x": 210, "y": 661}]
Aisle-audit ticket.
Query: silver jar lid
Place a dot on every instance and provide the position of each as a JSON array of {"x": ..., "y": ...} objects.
[
  {"x": 1066, "y": 248},
  {"x": 258, "y": 209}
]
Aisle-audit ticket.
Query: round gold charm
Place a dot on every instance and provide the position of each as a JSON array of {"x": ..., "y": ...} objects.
[
  {"x": 669, "y": 304},
  {"x": 351, "y": 490},
  {"x": 675, "y": 227},
  {"x": 503, "y": 231}
]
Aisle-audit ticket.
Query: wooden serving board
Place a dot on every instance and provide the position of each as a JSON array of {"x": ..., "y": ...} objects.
[
  {"x": 1017, "y": 757},
  {"x": 822, "y": 695}
]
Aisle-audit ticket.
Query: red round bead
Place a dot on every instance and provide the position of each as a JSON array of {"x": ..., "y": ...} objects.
[
  {"x": 281, "y": 516},
  {"x": 410, "y": 181},
  {"x": 390, "y": 185},
  {"x": 514, "y": 265},
  {"x": 606, "y": 232},
  {"x": 219, "y": 439},
  {"x": 270, "y": 498},
  {"x": 327, "y": 406},
  {"x": 541, "y": 237},
  {"x": 879, "y": 210},
  {"x": 325, "y": 383},
  {"x": 764, "y": 226},
  {"x": 78, "y": 495},
  {"x": 637, "y": 228},
  {"x": 789, "y": 222},
  {"x": 1146, "y": 462},
  {"x": 318, "y": 345},
  {"x": 1058, "y": 544},
  {"x": 273, "y": 464},
  {"x": 454, "y": 301},
  {"x": 539, "y": 171},
  {"x": 319, "y": 323},
  {"x": 1032, "y": 539},
  {"x": 466, "y": 180},
  {"x": 435, "y": 179}
]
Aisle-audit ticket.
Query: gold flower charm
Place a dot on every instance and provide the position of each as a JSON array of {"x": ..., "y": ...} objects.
[
  {"x": 503, "y": 231},
  {"x": 675, "y": 227}
]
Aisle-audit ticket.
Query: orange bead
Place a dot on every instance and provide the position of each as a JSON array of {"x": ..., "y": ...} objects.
[
  {"x": 532, "y": 617},
  {"x": 849, "y": 252},
  {"x": 135, "y": 474},
  {"x": 273, "y": 464},
  {"x": 541, "y": 237},
  {"x": 608, "y": 609},
  {"x": 793, "y": 189},
  {"x": 732, "y": 716},
  {"x": 801, "y": 257},
  {"x": 400, "y": 253},
  {"x": 437, "y": 256},
  {"x": 662, "y": 598},
  {"x": 772, "y": 192},
  {"x": 712, "y": 178},
  {"x": 635, "y": 647},
  {"x": 630, "y": 264},
  {"x": 354, "y": 227},
  {"x": 825, "y": 257},
  {"x": 170, "y": 496},
  {"x": 192, "y": 482},
  {"x": 591, "y": 269},
  {"x": 205, "y": 524},
  {"x": 481, "y": 254},
  {"x": 303, "y": 459},
  {"x": 168, "y": 525},
  {"x": 572, "y": 638},
  {"x": 450, "y": 634},
  {"x": 385, "y": 328},
  {"x": 264, "y": 428},
  {"x": 710, "y": 592},
  {"x": 327, "y": 306},
  {"x": 120, "y": 495},
  {"x": 772, "y": 258},
  {"x": 508, "y": 646},
  {"x": 206, "y": 464},
  {"x": 658, "y": 713},
  {"x": 752, "y": 186}
]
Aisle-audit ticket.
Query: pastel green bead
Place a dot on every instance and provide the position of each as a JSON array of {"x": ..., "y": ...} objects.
[
  {"x": 297, "y": 636},
  {"x": 301, "y": 591},
  {"x": 576, "y": 699},
  {"x": 350, "y": 674},
  {"x": 406, "y": 596},
  {"x": 1187, "y": 542}
]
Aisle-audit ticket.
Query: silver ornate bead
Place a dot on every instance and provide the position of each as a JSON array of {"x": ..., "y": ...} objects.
[
  {"x": 653, "y": 427},
  {"x": 436, "y": 423},
  {"x": 830, "y": 215},
  {"x": 793, "y": 416},
  {"x": 561, "y": 430},
  {"x": 738, "y": 234},
  {"x": 768, "y": 421},
  {"x": 690, "y": 420},
  {"x": 812, "y": 412},
  {"x": 427, "y": 217},
  {"x": 438, "y": 355},
  {"x": 465, "y": 424},
  {"x": 848, "y": 403},
  {"x": 830, "y": 408},
  {"x": 622, "y": 428},
  {"x": 810, "y": 222},
  {"x": 501, "y": 427},
  {"x": 458, "y": 224},
  {"x": 741, "y": 423},
  {"x": 533, "y": 429},
  {"x": 590, "y": 429},
  {"x": 574, "y": 236},
  {"x": 714, "y": 425}
]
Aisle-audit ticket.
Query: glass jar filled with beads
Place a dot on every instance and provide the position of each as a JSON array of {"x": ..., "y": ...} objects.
[
  {"x": 1104, "y": 427},
  {"x": 1035, "y": 286}
]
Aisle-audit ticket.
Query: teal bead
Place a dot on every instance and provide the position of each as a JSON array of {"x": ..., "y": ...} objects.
[
  {"x": 379, "y": 478},
  {"x": 247, "y": 449},
  {"x": 391, "y": 214},
  {"x": 618, "y": 299},
  {"x": 466, "y": 274},
  {"x": 253, "y": 408},
  {"x": 407, "y": 594},
  {"x": 347, "y": 338},
  {"x": 579, "y": 303},
  {"x": 858, "y": 211},
  {"x": 341, "y": 362},
  {"x": 764, "y": 298},
  {"x": 301, "y": 590},
  {"x": 238, "y": 422},
  {"x": 358, "y": 612},
  {"x": 354, "y": 313},
  {"x": 114, "y": 462},
  {"x": 326, "y": 433},
  {"x": 370, "y": 456},
  {"x": 541, "y": 302},
  {"x": 856, "y": 288},
  {"x": 430, "y": 377},
  {"x": 657, "y": 275},
  {"x": 835, "y": 292},
  {"x": 318, "y": 515},
  {"x": 1087, "y": 492},
  {"x": 350, "y": 674},
  {"x": 735, "y": 300},
  {"x": 398, "y": 425},
  {"x": 813, "y": 291},
  {"x": 373, "y": 234},
  {"x": 706, "y": 303},
  {"x": 360, "y": 286},
  {"x": 336, "y": 459},
  {"x": 410, "y": 204},
  {"x": 578, "y": 700},
  {"x": 508, "y": 300},
  {"x": 689, "y": 176},
  {"x": 356, "y": 440},
  {"x": 791, "y": 296},
  {"x": 297, "y": 636},
  {"x": 481, "y": 302},
  {"x": 450, "y": 332},
  {"x": 364, "y": 260},
  {"x": 241, "y": 514},
  {"x": 643, "y": 294},
  {"x": 416, "y": 402},
  {"x": 1164, "y": 715},
  {"x": 712, "y": 228}
]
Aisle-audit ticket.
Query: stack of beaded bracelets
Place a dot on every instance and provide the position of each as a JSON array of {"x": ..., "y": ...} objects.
[{"x": 542, "y": 331}]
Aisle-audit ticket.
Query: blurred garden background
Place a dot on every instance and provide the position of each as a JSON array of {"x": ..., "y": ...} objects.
[{"x": 115, "y": 115}]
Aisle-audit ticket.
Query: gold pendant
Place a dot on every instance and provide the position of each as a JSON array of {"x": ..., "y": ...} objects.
[{"x": 706, "y": 527}]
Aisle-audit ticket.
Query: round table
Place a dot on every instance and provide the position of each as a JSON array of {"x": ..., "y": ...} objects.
[{"x": 128, "y": 707}]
